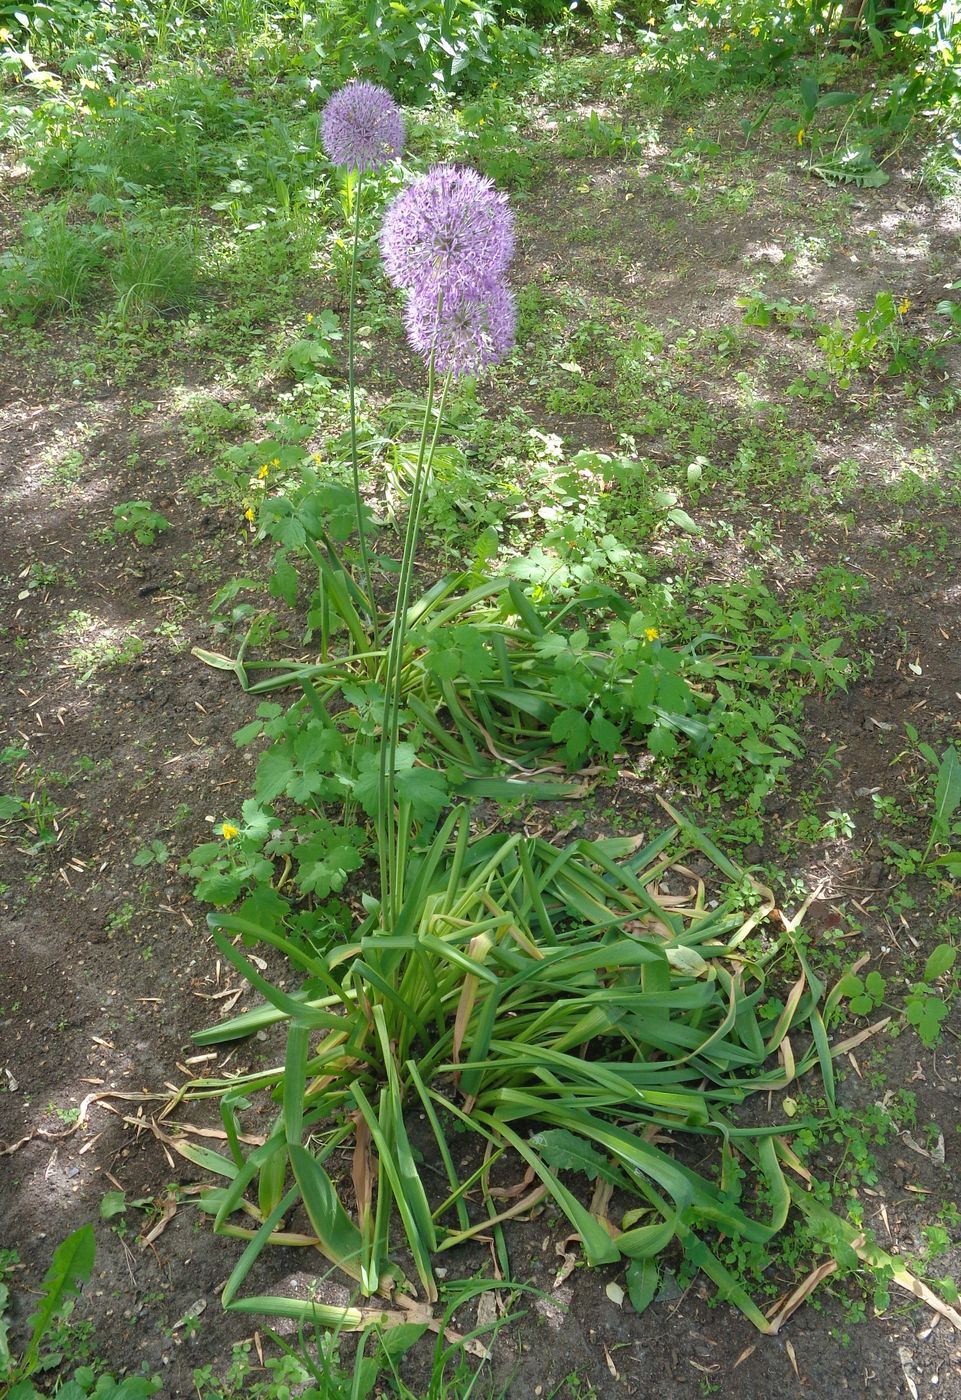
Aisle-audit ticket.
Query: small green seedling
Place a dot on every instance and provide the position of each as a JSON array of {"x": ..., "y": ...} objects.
[
  {"x": 925, "y": 1008},
  {"x": 864, "y": 995},
  {"x": 138, "y": 518},
  {"x": 154, "y": 854}
]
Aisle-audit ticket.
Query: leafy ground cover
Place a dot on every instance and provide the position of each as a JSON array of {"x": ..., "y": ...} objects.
[{"x": 722, "y": 464}]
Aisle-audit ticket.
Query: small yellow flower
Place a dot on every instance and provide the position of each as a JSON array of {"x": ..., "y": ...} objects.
[
  {"x": 263, "y": 473},
  {"x": 481, "y": 122},
  {"x": 651, "y": 633},
  {"x": 275, "y": 461},
  {"x": 904, "y": 306},
  {"x": 310, "y": 317},
  {"x": 726, "y": 48},
  {"x": 317, "y": 456},
  {"x": 228, "y": 832},
  {"x": 755, "y": 30},
  {"x": 249, "y": 514},
  {"x": 800, "y": 136},
  {"x": 111, "y": 102},
  {"x": 690, "y": 131}
]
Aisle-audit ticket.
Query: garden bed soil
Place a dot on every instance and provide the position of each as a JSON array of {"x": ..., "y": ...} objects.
[{"x": 107, "y": 968}]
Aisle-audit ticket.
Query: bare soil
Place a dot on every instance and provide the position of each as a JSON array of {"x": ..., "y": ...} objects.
[{"x": 106, "y": 968}]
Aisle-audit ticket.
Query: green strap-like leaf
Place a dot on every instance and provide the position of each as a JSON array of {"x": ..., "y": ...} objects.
[{"x": 340, "y": 1239}]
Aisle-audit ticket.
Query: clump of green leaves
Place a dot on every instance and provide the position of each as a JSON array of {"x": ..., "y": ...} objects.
[
  {"x": 71, "y": 1267},
  {"x": 484, "y": 1025},
  {"x": 927, "y": 1004},
  {"x": 311, "y": 353},
  {"x": 54, "y": 267},
  {"x": 878, "y": 339},
  {"x": 945, "y": 829},
  {"x": 138, "y": 518}
]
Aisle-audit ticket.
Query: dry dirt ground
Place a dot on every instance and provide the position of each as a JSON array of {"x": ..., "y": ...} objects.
[{"x": 106, "y": 967}]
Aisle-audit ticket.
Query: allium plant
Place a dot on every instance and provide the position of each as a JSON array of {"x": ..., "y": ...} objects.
[
  {"x": 361, "y": 129},
  {"x": 446, "y": 232},
  {"x": 514, "y": 984},
  {"x": 466, "y": 331},
  {"x": 447, "y": 241}
]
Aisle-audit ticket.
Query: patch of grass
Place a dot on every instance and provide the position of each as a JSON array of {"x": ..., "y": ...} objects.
[
  {"x": 55, "y": 266},
  {"x": 152, "y": 274}
]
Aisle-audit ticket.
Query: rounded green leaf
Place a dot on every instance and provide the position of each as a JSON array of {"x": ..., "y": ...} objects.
[{"x": 939, "y": 962}]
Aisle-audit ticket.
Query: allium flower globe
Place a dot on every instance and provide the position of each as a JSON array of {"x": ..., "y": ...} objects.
[
  {"x": 362, "y": 127},
  {"x": 468, "y": 330},
  {"x": 447, "y": 231}
]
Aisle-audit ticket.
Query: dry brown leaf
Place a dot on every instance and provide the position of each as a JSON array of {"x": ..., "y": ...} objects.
[
  {"x": 168, "y": 1211},
  {"x": 792, "y": 1357},
  {"x": 509, "y": 1193},
  {"x": 603, "y": 1191},
  {"x": 854, "y": 1041},
  {"x": 361, "y": 1170},
  {"x": 781, "y": 1312},
  {"x": 251, "y": 1139}
]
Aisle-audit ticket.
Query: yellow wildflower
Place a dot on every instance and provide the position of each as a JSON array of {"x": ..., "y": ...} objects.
[
  {"x": 755, "y": 30},
  {"x": 111, "y": 102},
  {"x": 690, "y": 131},
  {"x": 229, "y": 832},
  {"x": 264, "y": 472},
  {"x": 726, "y": 48},
  {"x": 317, "y": 456},
  {"x": 800, "y": 136},
  {"x": 249, "y": 514},
  {"x": 651, "y": 633},
  {"x": 275, "y": 461},
  {"x": 310, "y": 317},
  {"x": 904, "y": 306}
]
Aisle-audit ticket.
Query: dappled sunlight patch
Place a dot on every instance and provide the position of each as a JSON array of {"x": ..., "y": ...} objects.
[{"x": 90, "y": 644}]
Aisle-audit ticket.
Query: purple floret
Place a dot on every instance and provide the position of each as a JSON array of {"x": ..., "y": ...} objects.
[
  {"x": 450, "y": 229},
  {"x": 469, "y": 329},
  {"x": 362, "y": 127}
]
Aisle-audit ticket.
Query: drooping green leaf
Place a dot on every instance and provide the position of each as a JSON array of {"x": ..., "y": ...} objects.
[
  {"x": 72, "y": 1265},
  {"x": 340, "y": 1240}
]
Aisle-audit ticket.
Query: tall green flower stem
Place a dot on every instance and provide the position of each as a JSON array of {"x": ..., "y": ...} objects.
[
  {"x": 352, "y": 395},
  {"x": 391, "y": 838}
]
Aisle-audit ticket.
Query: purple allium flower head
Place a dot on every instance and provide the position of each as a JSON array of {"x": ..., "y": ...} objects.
[
  {"x": 469, "y": 328},
  {"x": 362, "y": 126},
  {"x": 448, "y": 230}
]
